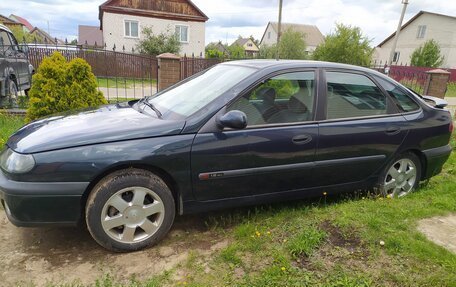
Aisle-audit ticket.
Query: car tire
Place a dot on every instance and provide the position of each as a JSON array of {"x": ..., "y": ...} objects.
[
  {"x": 12, "y": 93},
  {"x": 129, "y": 210},
  {"x": 401, "y": 176}
]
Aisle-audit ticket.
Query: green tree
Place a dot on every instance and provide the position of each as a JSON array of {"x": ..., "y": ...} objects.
[
  {"x": 212, "y": 52},
  {"x": 292, "y": 47},
  {"x": 427, "y": 55},
  {"x": 154, "y": 45},
  {"x": 346, "y": 45},
  {"x": 22, "y": 35},
  {"x": 236, "y": 51},
  {"x": 60, "y": 86}
]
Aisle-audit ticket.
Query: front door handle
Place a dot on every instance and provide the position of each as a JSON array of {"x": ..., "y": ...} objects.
[
  {"x": 302, "y": 139},
  {"x": 391, "y": 131}
]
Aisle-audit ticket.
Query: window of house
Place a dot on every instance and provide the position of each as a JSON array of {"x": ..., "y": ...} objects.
[
  {"x": 286, "y": 98},
  {"x": 182, "y": 33},
  {"x": 131, "y": 29},
  {"x": 396, "y": 57},
  {"x": 421, "y": 31},
  {"x": 249, "y": 45},
  {"x": 403, "y": 101},
  {"x": 353, "y": 95}
]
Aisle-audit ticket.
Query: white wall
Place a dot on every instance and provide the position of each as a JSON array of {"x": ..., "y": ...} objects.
[
  {"x": 441, "y": 29},
  {"x": 113, "y": 32},
  {"x": 268, "y": 41}
]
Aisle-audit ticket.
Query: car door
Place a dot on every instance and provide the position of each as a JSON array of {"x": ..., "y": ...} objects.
[
  {"x": 19, "y": 62},
  {"x": 362, "y": 129},
  {"x": 274, "y": 153}
]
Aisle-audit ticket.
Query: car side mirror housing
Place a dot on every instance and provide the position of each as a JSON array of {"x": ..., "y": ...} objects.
[{"x": 233, "y": 119}]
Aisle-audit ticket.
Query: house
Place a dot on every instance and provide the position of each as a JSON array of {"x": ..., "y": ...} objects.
[
  {"x": 26, "y": 24},
  {"x": 420, "y": 28},
  {"x": 90, "y": 36},
  {"x": 43, "y": 36},
  {"x": 250, "y": 48},
  {"x": 312, "y": 35},
  {"x": 10, "y": 23},
  {"x": 122, "y": 22},
  {"x": 219, "y": 47}
]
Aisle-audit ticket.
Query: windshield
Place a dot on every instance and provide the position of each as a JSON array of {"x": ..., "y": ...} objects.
[{"x": 190, "y": 97}]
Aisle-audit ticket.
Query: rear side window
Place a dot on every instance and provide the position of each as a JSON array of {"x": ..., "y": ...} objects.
[
  {"x": 403, "y": 101},
  {"x": 5, "y": 41},
  {"x": 353, "y": 95}
]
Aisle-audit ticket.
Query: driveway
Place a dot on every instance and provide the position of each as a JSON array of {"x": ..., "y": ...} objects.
[{"x": 65, "y": 255}]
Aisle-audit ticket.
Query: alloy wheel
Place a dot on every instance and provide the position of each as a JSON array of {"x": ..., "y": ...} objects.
[
  {"x": 132, "y": 215},
  {"x": 400, "y": 178}
]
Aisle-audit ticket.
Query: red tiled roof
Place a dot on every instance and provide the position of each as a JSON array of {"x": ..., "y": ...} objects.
[{"x": 23, "y": 21}]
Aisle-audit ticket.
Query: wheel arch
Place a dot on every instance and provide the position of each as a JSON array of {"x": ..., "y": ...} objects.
[
  {"x": 422, "y": 159},
  {"x": 165, "y": 176}
]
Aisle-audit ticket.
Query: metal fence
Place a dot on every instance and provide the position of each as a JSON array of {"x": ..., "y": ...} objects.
[
  {"x": 120, "y": 75},
  {"x": 193, "y": 65}
]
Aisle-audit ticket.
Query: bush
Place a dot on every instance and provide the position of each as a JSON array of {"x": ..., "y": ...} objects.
[
  {"x": 427, "y": 55},
  {"x": 155, "y": 45},
  {"x": 60, "y": 86}
]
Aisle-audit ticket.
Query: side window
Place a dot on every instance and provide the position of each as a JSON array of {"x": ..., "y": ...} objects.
[
  {"x": 287, "y": 98},
  {"x": 403, "y": 101},
  {"x": 14, "y": 43},
  {"x": 353, "y": 95},
  {"x": 5, "y": 42}
]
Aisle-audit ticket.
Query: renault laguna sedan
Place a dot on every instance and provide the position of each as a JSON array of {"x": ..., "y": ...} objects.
[{"x": 239, "y": 133}]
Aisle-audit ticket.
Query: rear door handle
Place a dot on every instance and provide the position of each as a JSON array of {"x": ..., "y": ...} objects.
[
  {"x": 391, "y": 131},
  {"x": 302, "y": 139}
]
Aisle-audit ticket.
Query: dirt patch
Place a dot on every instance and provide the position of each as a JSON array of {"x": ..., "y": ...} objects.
[
  {"x": 67, "y": 255},
  {"x": 338, "y": 247},
  {"x": 440, "y": 230}
]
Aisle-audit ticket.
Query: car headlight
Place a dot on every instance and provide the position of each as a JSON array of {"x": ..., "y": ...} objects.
[{"x": 14, "y": 162}]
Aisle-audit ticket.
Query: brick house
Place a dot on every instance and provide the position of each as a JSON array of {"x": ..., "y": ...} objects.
[{"x": 122, "y": 22}]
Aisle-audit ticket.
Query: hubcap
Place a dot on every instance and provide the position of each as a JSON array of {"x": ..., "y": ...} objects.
[
  {"x": 132, "y": 215},
  {"x": 400, "y": 179}
]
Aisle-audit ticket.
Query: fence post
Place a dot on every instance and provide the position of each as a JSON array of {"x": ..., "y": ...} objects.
[
  {"x": 169, "y": 70},
  {"x": 436, "y": 83}
]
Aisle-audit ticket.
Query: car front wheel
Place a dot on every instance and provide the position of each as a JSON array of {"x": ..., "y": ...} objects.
[
  {"x": 130, "y": 210},
  {"x": 401, "y": 177}
]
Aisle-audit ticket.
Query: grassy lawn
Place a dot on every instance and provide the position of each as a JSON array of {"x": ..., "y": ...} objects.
[
  {"x": 330, "y": 241},
  {"x": 8, "y": 125},
  {"x": 451, "y": 92},
  {"x": 123, "y": 83}
]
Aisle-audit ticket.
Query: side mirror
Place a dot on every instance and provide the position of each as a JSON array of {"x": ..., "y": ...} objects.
[{"x": 233, "y": 119}]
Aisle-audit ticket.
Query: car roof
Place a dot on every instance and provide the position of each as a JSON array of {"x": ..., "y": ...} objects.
[
  {"x": 287, "y": 64},
  {"x": 3, "y": 27}
]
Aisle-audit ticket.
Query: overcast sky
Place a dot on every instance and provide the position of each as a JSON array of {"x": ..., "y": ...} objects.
[{"x": 228, "y": 19}]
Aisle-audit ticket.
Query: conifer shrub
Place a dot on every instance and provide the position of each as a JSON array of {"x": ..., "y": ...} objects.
[{"x": 60, "y": 86}]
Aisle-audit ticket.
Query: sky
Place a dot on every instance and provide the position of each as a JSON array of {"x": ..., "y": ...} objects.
[{"x": 229, "y": 19}]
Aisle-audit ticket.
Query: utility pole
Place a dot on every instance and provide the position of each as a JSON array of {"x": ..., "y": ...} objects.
[
  {"x": 399, "y": 26},
  {"x": 279, "y": 28}
]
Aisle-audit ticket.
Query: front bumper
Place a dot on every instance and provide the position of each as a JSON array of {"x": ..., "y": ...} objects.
[
  {"x": 29, "y": 204},
  {"x": 435, "y": 159}
]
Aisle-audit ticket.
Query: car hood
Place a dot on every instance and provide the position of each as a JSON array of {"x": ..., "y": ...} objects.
[{"x": 106, "y": 124}]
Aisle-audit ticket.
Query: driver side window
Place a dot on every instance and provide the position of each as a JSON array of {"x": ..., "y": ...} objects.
[
  {"x": 5, "y": 42},
  {"x": 287, "y": 98}
]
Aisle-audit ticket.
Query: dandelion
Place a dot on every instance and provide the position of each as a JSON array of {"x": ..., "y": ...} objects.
[
  {"x": 269, "y": 232},
  {"x": 284, "y": 240},
  {"x": 325, "y": 193},
  {"x": 258, "y": 234},
  {"x": 283, "y": 269}
]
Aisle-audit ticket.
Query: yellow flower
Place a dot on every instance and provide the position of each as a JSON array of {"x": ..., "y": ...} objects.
[
  {"x": 325, "y": 193},
  {"x": 257, "y": 233},
  {"x": 284, "y": 240},
  {"x": 185, "y": 282},
  {"x": 269, "y": 232},
  {"x": 283, "y": 269}
]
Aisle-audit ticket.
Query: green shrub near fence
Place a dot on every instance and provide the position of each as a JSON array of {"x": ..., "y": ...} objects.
[{"x": 60, "y": 86}]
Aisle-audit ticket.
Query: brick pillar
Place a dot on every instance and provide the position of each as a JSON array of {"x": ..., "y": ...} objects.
[
  {"x": 169, "y": 71},
  {"x": 436, "y": 83}
]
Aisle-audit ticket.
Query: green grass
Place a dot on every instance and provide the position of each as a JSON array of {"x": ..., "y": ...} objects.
[
  {"x": 8, "y": 125},
  {"x": 122, "y": 83},
  {"x": 329, "y": 241},
  {"x": 451, "y": 92}
]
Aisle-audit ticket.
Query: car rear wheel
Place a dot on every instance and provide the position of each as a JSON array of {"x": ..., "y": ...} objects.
[
  {"x": 401, "y": 176},
  {"x": 130, "y": 210},
  {"x": 12, "y": 92}
]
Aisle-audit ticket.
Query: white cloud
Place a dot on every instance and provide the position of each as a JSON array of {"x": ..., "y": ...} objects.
[{"x": 376, "y": 18}]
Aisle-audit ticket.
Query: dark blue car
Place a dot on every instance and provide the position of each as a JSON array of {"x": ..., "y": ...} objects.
[{"x": 240, "y": 133}]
